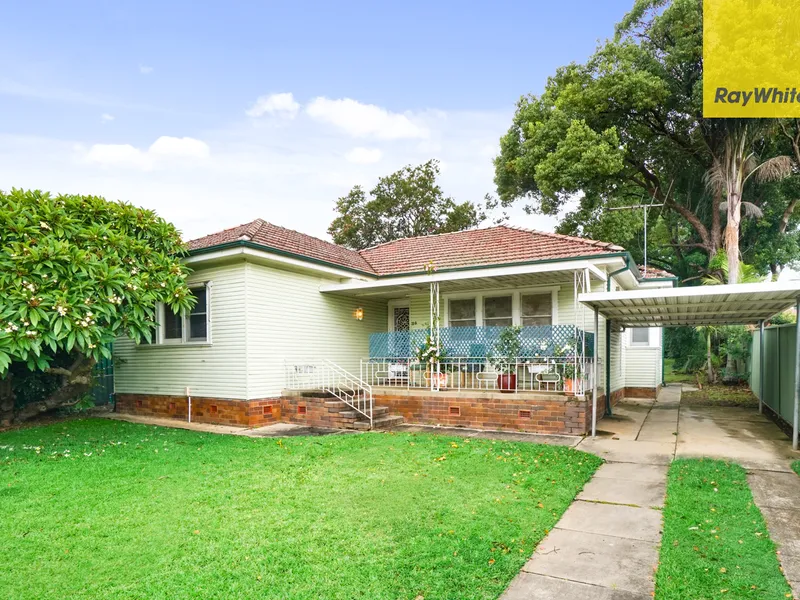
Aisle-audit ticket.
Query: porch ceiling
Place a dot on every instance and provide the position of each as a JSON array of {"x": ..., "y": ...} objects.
[
  {"x": 464, "y": 285},
  {"x": 514, "y": 276},
  {"x": 741, "y": 304}
]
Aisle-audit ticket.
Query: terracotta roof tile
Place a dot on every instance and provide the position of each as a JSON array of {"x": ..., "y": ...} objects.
[
  {"x": 286, "y": 240},
  {"x": 654, "y": 273},
  {"x": 476, "y": 247}
]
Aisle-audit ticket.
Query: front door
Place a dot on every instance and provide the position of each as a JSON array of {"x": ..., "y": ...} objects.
[{"x": 401, "y": 344}]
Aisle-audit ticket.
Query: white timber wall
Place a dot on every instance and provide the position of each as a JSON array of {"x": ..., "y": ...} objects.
[
  {"x": 289, "y": 320},
  {"x": 215, "y": 370},
  {"x": 643, "y": 363}
]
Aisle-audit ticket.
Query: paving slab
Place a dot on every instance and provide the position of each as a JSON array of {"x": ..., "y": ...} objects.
[
  {"x": 791, "y": 569},
  {"x": 624, "y": 491},
  {"x": 784, "y": 528},
  {"x": 529, "y": 586},
  {"x": 659, "y": 431},
  {"x": 775, "y": 490},
  {"x": 611, "y": 562},
  {"x": 630, "y": 451},
  {"x": 630, "y": 522},
  {"x": 632, "y": 472}
]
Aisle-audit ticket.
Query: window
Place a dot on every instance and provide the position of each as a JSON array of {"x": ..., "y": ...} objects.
[
  {"x": 640, "y": 336},
  {"x": 198, "y": 316},
  {"x": 173, "y": 326},
  {"x": 536, "y": 309},
  {"x": 191, "y": 327},
  {"x": 462, "y": 313},
  {"x": 497, "y": 311}
]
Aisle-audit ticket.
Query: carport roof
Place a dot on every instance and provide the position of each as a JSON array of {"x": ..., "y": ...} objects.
[{"x": 740, "y": 304}]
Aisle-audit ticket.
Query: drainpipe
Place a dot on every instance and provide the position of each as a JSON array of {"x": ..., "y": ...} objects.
[
  {"x": 761, "y": 367},
  {"x": 608, "y": 343},
  {"x": 609, "y": 324},
  {"x": 189, "y": 398}
]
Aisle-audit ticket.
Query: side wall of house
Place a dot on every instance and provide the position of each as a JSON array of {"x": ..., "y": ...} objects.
[
  {"x": 289, "y": 320},
  {"x": 214, "y": 370},
  {"x": 643, "y": 363}
]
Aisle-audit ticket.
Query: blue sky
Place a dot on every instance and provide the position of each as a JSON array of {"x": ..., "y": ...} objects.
[{"x": 216, "y": 113}]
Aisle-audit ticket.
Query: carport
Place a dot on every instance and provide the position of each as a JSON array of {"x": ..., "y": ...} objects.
[{"x": 742, "y": 304}]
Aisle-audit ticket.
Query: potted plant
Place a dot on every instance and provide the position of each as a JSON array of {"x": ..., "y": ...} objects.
[
  {"x": 504, "y": 358},
  {"x": 431, "y": 356},
  {"x": 569, "y": 379},
  {"x": 539, "y": 362}
]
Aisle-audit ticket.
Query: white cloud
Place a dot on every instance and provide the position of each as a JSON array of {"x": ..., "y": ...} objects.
[
  {"x": 364, "y": 120},
  {"x": 185, "y": 147},
  {"x": 364, "y": 156},
  {"x": 164, "y": 148},
  {"x": 282, "y": 105},
  {"x": 105, "y": 117},
  {"x": 145, "y": 70},
  {"x": 118, "y": 155}
]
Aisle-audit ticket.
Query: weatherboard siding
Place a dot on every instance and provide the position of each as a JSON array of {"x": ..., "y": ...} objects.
[
  {"x": 290, "y": 320},
  {"x": 215, "y": 370}
]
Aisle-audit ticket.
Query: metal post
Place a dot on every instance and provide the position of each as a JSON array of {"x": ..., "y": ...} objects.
[
  {"x": 796, "y": 422},
  {"x": 596, "y": 370},
  {"x": 644, "y": 212},
  {"x": 761, "y": 367},
  {"x": 609, "y": 326}
]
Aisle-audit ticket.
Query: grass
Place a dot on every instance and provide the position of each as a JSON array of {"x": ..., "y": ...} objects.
[
  {"x": 105, "y": 509},
  {"x": 670, "y": 376},
  {"x": 721, "y": 395},
  {"x": 796, "y": 466},
  {"x": 715, "y": 543}
]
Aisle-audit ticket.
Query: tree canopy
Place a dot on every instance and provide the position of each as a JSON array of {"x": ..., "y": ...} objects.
[
  {"x": 76, "y": 272},
  {"x": 626, "y": 127},
  {"x": 406, "y": 203}
]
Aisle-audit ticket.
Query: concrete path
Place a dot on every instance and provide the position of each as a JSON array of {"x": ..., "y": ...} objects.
[{"x": 605, "y": 547}]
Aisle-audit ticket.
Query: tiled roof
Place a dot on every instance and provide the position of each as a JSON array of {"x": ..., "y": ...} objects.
[
  {"x": 472, "y": 248},
  {"x": 286, "y": 240},
  {"x": 654, "y": 273},
  {"x": 476, "y": 247}
]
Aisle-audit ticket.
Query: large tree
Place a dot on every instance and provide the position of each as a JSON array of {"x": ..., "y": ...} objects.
[
  {"x": 627, "y": 127},
  {"x": 76, "y": 272},
  {"x": 406, "y": 203}
]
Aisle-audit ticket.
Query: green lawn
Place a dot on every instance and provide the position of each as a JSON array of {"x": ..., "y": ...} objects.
[
  {"x": 796, "y": 466},
  {"x": 105, "y": 509},
  {"x": 670, "y": 376},
  {"x": 715, "y": 544}
]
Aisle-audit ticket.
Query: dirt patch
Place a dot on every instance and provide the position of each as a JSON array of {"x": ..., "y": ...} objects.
[{"x": 720, "y": 395}]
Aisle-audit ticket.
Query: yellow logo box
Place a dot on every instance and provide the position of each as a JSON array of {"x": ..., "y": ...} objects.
[{"x": 751, "y": 58}]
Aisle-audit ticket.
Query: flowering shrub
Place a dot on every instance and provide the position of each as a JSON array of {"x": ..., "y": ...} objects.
[
  {"x": 78, "y": 271},
  {"x": 429, "y": 353}
]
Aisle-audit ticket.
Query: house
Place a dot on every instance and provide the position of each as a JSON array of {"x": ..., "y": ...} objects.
[{"x": 288, "y": 327}]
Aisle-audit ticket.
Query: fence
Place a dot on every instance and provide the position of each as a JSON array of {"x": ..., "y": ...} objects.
[
  {"x": 779, "y": 369},
  {"x": 103, "y": 390}
]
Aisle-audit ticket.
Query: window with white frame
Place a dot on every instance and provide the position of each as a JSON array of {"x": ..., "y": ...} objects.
[
  {"x": 640, "y": 336},
  {"x": 189, "y": 327},
  {"x": 498, "y": 311},
  {"x": 462, "y": 312},
  {"x": 536, "y": 309}
]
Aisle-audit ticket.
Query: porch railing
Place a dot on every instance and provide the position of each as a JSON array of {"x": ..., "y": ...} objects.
[
  {"x": 561, "y": 374},
  {"x": 538, "y": 341},
  {"x": 327, "y": 376}
]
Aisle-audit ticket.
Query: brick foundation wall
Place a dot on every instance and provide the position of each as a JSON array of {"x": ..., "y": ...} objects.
[
  {"x": 540, "y": 414},
  {"x": 217, "y": 411}
]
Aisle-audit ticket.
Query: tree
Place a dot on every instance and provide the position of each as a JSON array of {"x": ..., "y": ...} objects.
[
  {"x": 627, "y": 127},
  {"x": 406, "y": 203},
  {"x": 76, "y": 272}
]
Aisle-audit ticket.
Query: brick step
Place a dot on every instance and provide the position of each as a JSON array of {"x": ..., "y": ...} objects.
[
  {"x": 377, "y": 413},
  {"x": 382, "y": 423}
]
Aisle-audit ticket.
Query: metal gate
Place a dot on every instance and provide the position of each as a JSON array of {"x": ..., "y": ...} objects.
[{"x": 103, "y": 390}]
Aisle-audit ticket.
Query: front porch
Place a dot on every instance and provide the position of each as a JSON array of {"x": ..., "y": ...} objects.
[{"x": 551, "y": 359}]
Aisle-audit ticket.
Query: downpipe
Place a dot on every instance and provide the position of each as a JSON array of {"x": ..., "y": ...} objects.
[{"x": 189, "y": 398}]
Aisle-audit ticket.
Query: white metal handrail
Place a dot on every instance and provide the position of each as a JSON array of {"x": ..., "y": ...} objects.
[
  {"x": 545, "y": 374},
  {"x": 327, "y": 376}
]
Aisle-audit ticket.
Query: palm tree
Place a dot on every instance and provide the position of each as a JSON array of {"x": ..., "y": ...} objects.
[{"x": 732, "y": 168}]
